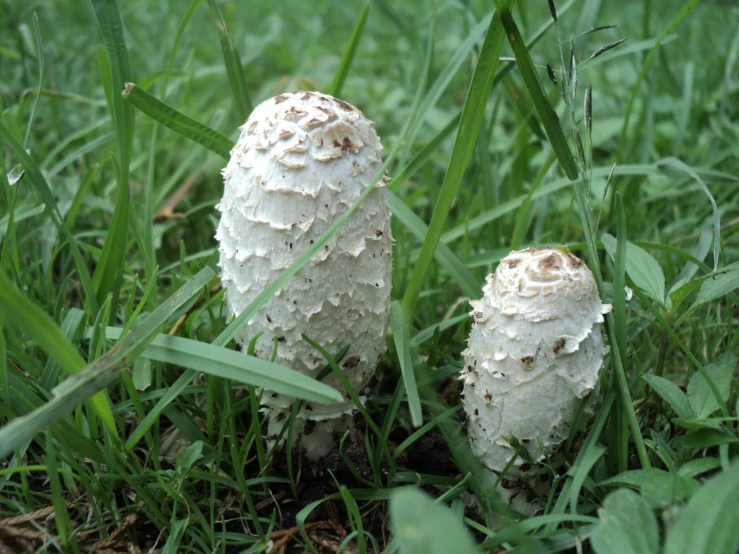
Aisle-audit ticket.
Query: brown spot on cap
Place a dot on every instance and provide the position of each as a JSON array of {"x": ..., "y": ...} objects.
[
  {"x": 346, "y": 106},
  {"x": 345, "y": 144},
  {"x": 351, "y": 361},
  {"x": 575, "y": 262},
  {"x": 280, "y": 98},
  {"x": 306, "y": 96},
  {"x": 559, "y": 344},
  {"x": 331, "y": 115},
  {"x": 513, "y": 262},
  {"x": 549, "y": 262},
  {"x": 527, "y": 360}
]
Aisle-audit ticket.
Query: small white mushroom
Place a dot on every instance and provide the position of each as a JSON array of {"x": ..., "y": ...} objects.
[
  {"x": 534, "y": 352},
  {"x": 302, "y": 159}
]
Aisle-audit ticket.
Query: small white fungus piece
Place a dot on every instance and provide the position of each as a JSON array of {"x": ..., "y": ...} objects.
[
  {"x": 534, "y": 353},
  {"x": 302, "y": 159}
]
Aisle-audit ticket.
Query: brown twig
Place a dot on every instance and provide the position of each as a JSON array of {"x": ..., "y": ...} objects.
[
  {"x": 274, "y": 498},
  {"x": 283, "y": 536},
  {"x": 166, "y": 210},
  {"x": 181, "y": 320}
]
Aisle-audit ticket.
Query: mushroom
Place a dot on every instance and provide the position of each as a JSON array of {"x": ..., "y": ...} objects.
[
  {"x": 534, "y": 353},
  {"x": 301, "y": 160}
]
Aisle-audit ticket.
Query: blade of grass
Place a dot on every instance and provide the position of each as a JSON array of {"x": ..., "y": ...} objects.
[
  {"x": 685, "y": 10},
  {"x": 108, "y": 274},
  {"x": 443, "y": 80},
  {"x": 417, "y": 162},
  {"x": 448, "y": 260},
  {"x": 339, "y": 373},
  {"x": 469, "y": 127},
  {"x": 40, "y": 57},
  {"x": 349, "y": 53},
  {"x": 619, "y": 318},
  {"x": 523, "y": 214},
  {"x": 667, "y": 327},
  {"x": 44, "y": 191},
  {"x": 101, "y": 372},
  {"x": 547, "y": 115},
  {"x": 35, "y": 322},
  {"x": 401, "y": 337},
  {"x": 678, "y": 164},
  {"x": 234, "y": 69},
  {"x": 556, "y": 185},
  {"x": 177, "y": 121},
  {"x": 230, "y": 364}
]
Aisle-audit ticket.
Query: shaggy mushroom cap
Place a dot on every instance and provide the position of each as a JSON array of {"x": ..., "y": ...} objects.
[
  {"x": 534, "y": 352},
  {"x": 302, "y": 159}
]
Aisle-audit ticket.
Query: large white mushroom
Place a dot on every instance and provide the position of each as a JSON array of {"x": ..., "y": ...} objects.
[
  {"x": 302, "y": 159},
  {"x": 534, "y": 353}
]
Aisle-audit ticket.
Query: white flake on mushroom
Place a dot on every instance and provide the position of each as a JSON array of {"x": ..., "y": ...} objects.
[
  {"x": 302, "y": 159},
  {"x": 535, "y": 351}
]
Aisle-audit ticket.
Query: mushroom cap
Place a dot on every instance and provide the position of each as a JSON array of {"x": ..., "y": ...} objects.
[
  {"x": 301, "y": 160},
  {"x": 542, "y": 283},
  {"x": 534, "y": 352}
]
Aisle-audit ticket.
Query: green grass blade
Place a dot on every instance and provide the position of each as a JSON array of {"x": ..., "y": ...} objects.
[
  {"x": 448, "y": 260},
  {"x": 349, "y": 53},
  {"x": 424, "y": 155},
  {"x": 523, "y": 214},
  {"x": 667, "y": 327},
  {"x": 547, "y": 115},
  {"x": 177, "y": 121},
  {"x": 339, "y": 373},
  {"x": 108, "y": 274},
  {"x": 556, "y": 185},
  {"x": 26, "y": 316},
  {"x": 469, "y": 127},
  {"x": 44, "y": 191},
  {"x": 401, "y": 337},
  {"x": 101, "y": 372},
  {"x": 417, "y": 162},
  {"x": 230, "y": 364},
  {"x": 173, "y": 391},
  {"x": 619, "y": 276},
  {"x": 619, "y": 327},
  {"x": 678, "y": 164},
  {"x": 234, "y": 69},
  {"x": 685, "y": 10},
  {"x": 40, "y": 57},
  {"x": 445, "y": 77}
]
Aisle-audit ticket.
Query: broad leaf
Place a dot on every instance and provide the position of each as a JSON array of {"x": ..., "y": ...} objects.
[
  {"x": 424, "y": 527},
  {"x": 701, "y": 397},
  {"x": 672, "y": 394},
  {"x": 709, "y": 521},
  {"x": 661, "y": 488},
  {"x": 641, "y": 268},
  {"x": 717, "y": 286},
  {"x": 627, "y": 525}
]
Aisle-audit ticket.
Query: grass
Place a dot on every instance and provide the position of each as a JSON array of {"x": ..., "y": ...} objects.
[{"x": 128, "y": 421}]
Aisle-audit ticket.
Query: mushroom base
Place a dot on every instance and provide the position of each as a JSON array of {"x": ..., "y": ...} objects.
[{"x": 317, "y": 438}]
